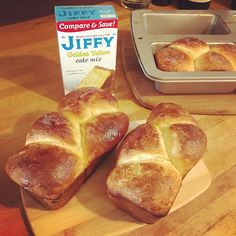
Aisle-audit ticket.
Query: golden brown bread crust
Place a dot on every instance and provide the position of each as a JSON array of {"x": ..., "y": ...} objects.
[
  {"x": 88, "y": 101},
  {"x": 171, "y": 59},
  {"x": 145, "y": 137},
  {"x": 60, "y": 201},
  {"x": 168, "y": 113},
  {"x": 192, "y": 54},
  {"x": 145, "y": 184},
  {"x": 143, "y": 143},
  {"x": 192, "y": 46},
  {"x": 185, "y": 142},
  {"x": 153, "y": 159},
  {"x": 213, "y": 61},
  {"x": 52, "y": 124},
  {"x": 185, "y": 145},
  {"x": 101, "y": 133},
  {"x": 45, "y": 170},
  {"x": 227, "y": 50},
  {"x": 63, "y": 148}
]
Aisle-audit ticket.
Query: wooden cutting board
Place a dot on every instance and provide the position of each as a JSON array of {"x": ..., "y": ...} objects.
[
  {"x": 146, "y": 94},
  {"x": 90, "y": 211}
]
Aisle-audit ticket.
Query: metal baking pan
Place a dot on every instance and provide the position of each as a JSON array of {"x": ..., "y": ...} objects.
[{"x": 151, "y": 30}]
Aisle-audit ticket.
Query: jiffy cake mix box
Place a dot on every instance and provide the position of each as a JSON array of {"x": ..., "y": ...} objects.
[{"x": 87, "y": 38}]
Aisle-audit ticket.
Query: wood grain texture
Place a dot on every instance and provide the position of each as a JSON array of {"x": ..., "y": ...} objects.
[
  {"x": 204, "y": 215},
  {"x": 31, "y": 85}
]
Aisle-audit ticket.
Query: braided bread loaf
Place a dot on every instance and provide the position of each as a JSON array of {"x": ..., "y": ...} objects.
[
  {"x": 192, "y": 54},
  {"x": 64, "y": 147},
  {"x": 152, "y": 161}
]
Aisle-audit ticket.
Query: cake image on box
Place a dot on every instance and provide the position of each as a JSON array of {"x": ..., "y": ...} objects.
[
  {"x": 98, "y": 77},
  {"x": 87, "y": 40}
]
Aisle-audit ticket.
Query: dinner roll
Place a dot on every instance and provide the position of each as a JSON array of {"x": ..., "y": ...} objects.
[
  {"x": 227, "y": 50},
  {"x": 192, "y": 46},
  {"x": 192, "y": 54},
  {"x": 171, "y": 59},
  {"x": 213, "y": 61}
]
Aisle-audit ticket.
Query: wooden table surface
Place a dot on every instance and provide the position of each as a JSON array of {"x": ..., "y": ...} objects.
[{"x": 31, "y": 85}]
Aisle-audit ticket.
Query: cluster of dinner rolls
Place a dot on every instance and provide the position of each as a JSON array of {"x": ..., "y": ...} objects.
[{"x": 192, "y": 54}]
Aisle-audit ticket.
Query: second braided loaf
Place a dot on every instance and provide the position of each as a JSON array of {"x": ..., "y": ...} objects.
[{"x": 152, "y": 161}]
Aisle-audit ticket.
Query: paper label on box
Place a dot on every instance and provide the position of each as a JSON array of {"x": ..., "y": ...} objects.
[{"x": 87, "y": 37}]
